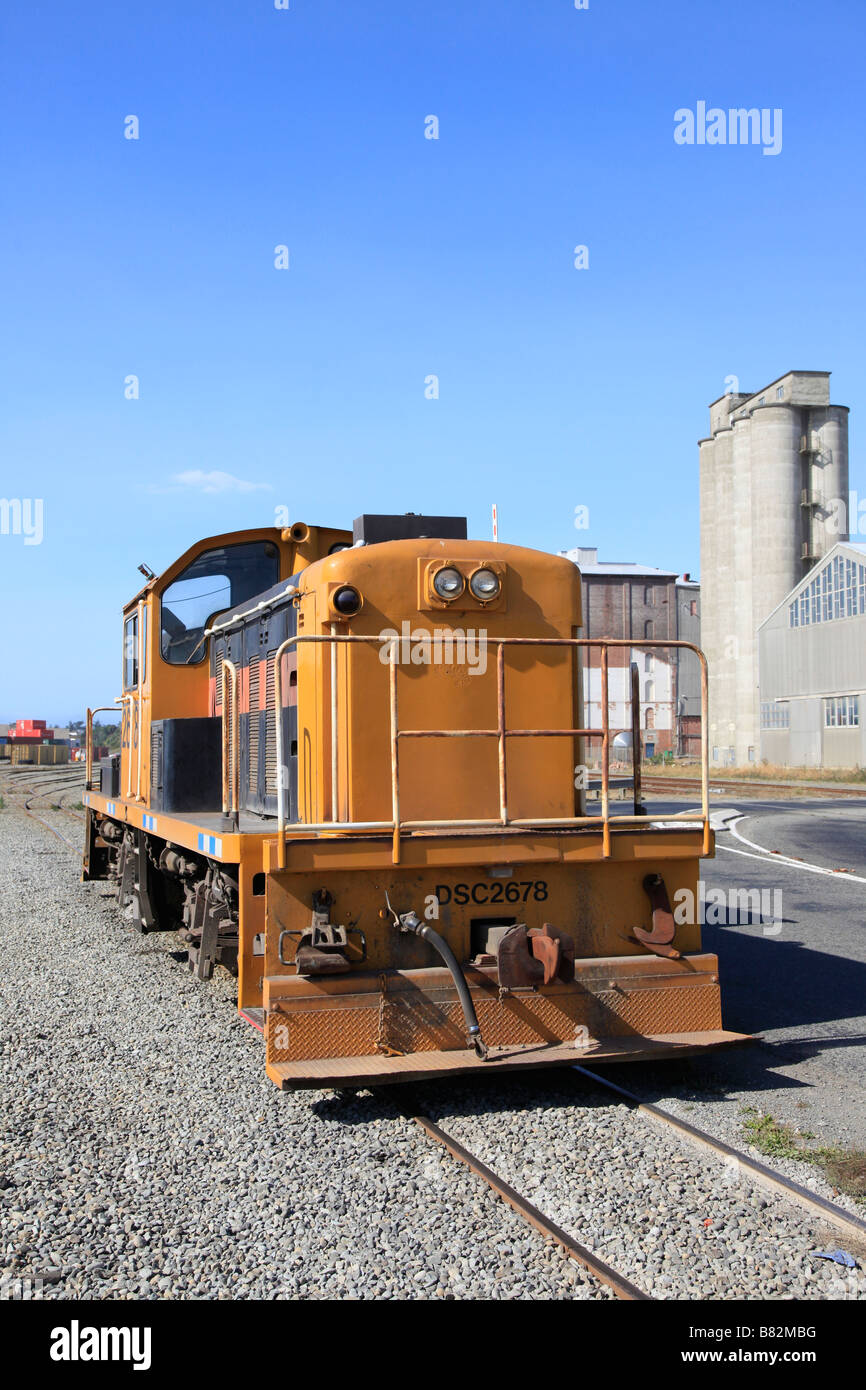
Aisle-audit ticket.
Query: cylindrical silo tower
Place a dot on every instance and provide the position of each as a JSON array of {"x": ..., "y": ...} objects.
[
  {"x": 826, "y": 437},
  {"x": 777, "y": 534},
  {"x": 740, "y": 653},
  {"x": 709, "y": 553},
  {"x": 774, "y": 499}
]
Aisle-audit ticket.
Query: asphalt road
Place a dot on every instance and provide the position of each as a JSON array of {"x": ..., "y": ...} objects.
[{"x": 801, "y": 988}]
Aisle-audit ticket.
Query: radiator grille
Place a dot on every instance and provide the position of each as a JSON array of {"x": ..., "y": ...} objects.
[
  {"x": 229, "y": 733},
  {"x": 155, "y": 759},
  {"x": 218, "y": 695},
  {"x": 254, "y": 724},
  {"x": 271, "y": 740}
]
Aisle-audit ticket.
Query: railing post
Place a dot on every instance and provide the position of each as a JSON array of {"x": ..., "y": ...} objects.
[
  {"x": 705, "y": 750},
  {"x": 140, "y": 695},
  {"x": 605, "y": 756},
  {"x": 500, "y": 714},
  {"x": 335, "y": 810},
  {"x": 129, "y": 700},
  {"x": 635, "y": 739},
  {"x": 88, "y": 740},
  {"x": 278, "y": 730},
  {"x": 395, "y": 765}
]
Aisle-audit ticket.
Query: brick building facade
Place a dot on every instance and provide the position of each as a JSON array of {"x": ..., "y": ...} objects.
[{"x": 627, "y": 600}]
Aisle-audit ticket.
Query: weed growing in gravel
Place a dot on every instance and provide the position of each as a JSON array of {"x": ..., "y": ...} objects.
[
  {"x": 848, "y": 1173},
  {"x": 845, "y": 1169},
  {"x": 772, "y": 1138},
  {"x": 2, "y": 804}
]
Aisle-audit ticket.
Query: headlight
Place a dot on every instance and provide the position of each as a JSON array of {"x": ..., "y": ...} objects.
[
  {"x": 347, "y": 601},
  {"x": 485, "y": 585},
  {"x": 449, "y": 583}
]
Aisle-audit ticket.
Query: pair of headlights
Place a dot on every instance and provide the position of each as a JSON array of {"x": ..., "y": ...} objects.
[{"x": 449, "y": 584}]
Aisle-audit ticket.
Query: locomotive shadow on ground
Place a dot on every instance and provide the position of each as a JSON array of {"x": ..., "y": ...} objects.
[{"x": 768, "y": 983}]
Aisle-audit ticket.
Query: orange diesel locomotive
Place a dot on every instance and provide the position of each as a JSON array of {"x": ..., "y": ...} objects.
[{"x": 351, "y": 772}]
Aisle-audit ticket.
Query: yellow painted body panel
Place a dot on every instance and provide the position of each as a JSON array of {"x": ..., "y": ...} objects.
[{"x": 442, "y": 778}]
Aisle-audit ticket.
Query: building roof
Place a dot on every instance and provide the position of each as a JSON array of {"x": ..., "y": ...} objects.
[
  {"x": 857, "y": 551},
  {"x": 745, "y": 396},
  {"x": 580, "y": 556}
]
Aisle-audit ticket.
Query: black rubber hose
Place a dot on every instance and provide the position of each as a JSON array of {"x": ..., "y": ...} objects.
[{"x": 441, "y": 945}]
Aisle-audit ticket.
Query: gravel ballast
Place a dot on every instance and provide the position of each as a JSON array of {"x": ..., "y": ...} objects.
[
  {"x": 146, "y": 1155},
  {"x": 677, "y": 1222}
]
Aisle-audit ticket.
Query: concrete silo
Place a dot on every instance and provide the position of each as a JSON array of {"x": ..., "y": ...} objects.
[{"x": 774, "y": 484}]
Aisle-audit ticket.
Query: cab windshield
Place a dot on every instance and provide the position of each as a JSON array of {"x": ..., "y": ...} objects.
[{"x": 216, "y": 580}]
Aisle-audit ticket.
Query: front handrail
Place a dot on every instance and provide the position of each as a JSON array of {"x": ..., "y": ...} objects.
[
  {"x": 501, "y": 733},
  {"x": 230, "y": 726},
  {"x": 88, "y": 742}
]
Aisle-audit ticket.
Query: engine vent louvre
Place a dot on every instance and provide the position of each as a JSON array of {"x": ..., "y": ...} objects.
[
  {"x": 218, "y": 693},
  {"x": 229, "y": 726},
  {"x": 155, "y": 759},
  {"x": 254, "y": 722},
  {"x": 271, "y": 741}
]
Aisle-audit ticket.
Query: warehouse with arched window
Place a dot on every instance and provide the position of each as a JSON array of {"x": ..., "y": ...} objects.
[{"x": 812, "y": 667}]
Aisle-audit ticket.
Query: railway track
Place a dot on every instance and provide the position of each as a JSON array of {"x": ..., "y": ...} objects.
[
  {"x": 38, "y": 788},
  {"x": 761, "y": 1175},
  {"x": 692, "y": 786},
  {"x": 620, "y": 1285},
  {"x": 76, "y": 849}
]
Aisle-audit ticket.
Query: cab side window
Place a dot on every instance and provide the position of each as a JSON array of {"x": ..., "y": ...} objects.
[
  {"x": 215, "y": 581},
  {"x": 130, "y": 653}
]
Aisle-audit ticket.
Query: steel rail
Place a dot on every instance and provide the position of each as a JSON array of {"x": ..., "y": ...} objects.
[
  {"x": 763, "y": 1176},
  {"x": 581, "y": 1254},
  {"x": 33, "y": 816},
  {"x": 754, "y": 788},
  {"x": 61, "y": 810},
  {"x": 49, "y": 788},
  {"x": 53, "y": 788}
]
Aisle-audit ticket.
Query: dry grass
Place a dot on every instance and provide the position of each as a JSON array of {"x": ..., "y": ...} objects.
[
  {"x": 844, "y": 1169},
  {"x": 848, "y": 1174}
]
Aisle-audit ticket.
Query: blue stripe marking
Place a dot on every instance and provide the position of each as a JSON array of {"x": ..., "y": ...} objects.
[
  {"x": 210, "y": 844},
  {"x": 149, "y": 822}
]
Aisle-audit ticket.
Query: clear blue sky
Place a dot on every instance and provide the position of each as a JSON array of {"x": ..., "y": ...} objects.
[{"x": 408, "y": 257}]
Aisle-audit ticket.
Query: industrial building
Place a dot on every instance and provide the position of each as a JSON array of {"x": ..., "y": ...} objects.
[
  {"x": 774, "y": 471},
  {"x": 629, "y": 600},
  {"x": 812, "y": 667}
]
